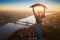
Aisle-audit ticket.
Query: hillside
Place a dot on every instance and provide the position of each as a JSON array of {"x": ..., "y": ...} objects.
[{"x": 50, "y": 26}]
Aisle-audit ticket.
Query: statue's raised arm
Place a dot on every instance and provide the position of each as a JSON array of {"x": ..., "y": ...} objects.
[{"x": 34, "y": 12}]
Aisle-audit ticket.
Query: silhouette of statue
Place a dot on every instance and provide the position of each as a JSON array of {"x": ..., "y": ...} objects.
[
  {"x": 38, "y": 25},
  {"x": 39, "y": 18}
]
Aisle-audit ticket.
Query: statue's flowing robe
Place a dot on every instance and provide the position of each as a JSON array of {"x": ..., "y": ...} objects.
[
  {"x": 39, "y": 27},
  {"x": 39, "y": 31}
]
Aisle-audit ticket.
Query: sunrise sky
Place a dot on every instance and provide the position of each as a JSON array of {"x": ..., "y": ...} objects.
[{"x": 25, "y": 4}]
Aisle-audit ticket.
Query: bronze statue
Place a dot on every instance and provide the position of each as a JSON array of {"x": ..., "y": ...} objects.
[{"x": 39, "y": 18}]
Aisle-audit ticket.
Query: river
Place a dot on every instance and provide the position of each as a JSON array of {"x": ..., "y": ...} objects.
[{"x": 9, "y": 28}]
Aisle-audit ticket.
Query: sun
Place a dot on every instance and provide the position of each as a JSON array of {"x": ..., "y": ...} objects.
[{"x": 39, "y": 8}]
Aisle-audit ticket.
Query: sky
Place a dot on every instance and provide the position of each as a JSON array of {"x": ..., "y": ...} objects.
[{"x": 25, "y": 4}]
